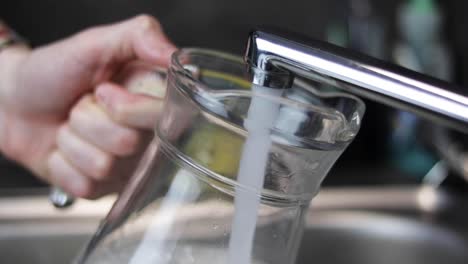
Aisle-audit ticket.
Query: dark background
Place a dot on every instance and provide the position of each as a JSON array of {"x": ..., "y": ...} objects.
[{"x": 224, "y": 25}]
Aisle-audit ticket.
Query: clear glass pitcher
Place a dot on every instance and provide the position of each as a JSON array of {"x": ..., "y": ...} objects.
[{"x": 232, "y": 168}]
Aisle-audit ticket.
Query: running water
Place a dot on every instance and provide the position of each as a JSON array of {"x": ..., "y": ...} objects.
[{"x": 260, "y": 118}]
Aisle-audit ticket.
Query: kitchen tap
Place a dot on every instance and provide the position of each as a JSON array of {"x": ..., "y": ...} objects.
[{"x": 275, "y": 50}]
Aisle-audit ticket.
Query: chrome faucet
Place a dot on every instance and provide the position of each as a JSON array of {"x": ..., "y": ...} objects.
[{"x": 271, "y": 50}]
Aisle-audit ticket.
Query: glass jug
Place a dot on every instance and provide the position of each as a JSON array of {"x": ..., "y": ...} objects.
[{"x": 232, "y": 167}]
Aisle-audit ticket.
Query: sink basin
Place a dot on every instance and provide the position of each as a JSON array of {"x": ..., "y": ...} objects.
[
  {"x": 361, "y": 238},
  {"x": 378, "y": 226}
]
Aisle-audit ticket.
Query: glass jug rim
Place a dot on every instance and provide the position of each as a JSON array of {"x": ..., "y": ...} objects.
[
  {"x": 177, "y": 65},
  {"x": 202, "y": 90}
]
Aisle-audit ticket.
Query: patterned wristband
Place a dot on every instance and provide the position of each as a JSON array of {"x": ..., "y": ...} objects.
[{"x": 8, "y": 37}]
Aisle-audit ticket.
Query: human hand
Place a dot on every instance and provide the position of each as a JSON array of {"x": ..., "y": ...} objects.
[
  {"x": 102, "y": 141},
  {"x": 42, "y": 86}
]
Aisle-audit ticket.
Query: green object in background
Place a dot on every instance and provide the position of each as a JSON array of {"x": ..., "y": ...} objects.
[
  {"x": 407, "y": 151},
  {"x": 422, "y": 6},
  {"x": 422, "y": 49},
  {"x": 337, "y": 34},
  {"x": 415, "y": 161}
]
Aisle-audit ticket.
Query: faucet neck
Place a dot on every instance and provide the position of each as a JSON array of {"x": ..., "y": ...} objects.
[{"x": 275, "y": 50}]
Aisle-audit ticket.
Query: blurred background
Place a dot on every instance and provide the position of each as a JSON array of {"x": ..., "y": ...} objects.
[{"x": 393, "y": 147}]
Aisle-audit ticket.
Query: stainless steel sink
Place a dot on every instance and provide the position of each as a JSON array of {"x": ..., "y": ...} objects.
[
  {"x": 359, "y": 237},
  {"x": 378, "y": 226}
]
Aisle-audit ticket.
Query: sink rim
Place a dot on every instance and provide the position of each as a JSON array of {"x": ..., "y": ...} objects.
[
  {"x": 34, "y": 203},
  {"x": 361, "y": 210}
]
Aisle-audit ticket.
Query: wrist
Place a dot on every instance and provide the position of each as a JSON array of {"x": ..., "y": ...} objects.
[{"x": 11, "y": 59}]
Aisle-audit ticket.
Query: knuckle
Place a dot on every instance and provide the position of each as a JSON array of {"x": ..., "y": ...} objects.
[
  {"x": 127, "y": 142},
  {"x": 75, "y": 114},
  {"x": 119, "y": 113},
  {"x": 102, "y": 167},
  {"x": 146, "y": 21},
  {"x": 61, "y": 135},
  {"x": 79, "y": 110}
]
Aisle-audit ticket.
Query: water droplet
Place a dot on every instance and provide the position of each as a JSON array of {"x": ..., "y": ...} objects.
[
  {"x": 275, "y": 236},
  {"x": 215, "y": 226},
  {"x": 312, "y": 165}
]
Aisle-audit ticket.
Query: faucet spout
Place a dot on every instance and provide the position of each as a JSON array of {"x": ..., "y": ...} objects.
[{"x": 358, "y": 74}]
